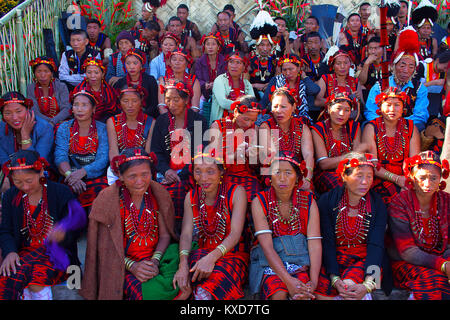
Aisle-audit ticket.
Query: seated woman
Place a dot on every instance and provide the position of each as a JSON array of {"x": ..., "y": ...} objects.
[
  {"x": 229, "y": 86},
  {"x": 128, "y": 235},
  {"x": 333, "y": 138},
  {"x": 353, "y": 222},
  {"x": 293, "y": 77},
  {"x": 237, "y": 140},
  {"x": 207, "y": 68},
  {"x": 115, "y": 69},
  {"x": 50, "y": 96},
  {"x": 214, "y": 215},
  {"x": 105, "y": 95},
  {"x": 392, "y": 139},
  {"x": 20, "y": 129},
  {"x": 286, "y": 216},
  {"x": 81, "y": 150},
  {"x": 292, "y": 134},
  {"x": 418, "y": 224},
  {"x": 173, "y": 147},
  {"x": 134, "y": 62},
  {"x": 339, "y": 80},
  {"x": 40, "y": 225},
  {"x": 179, "y": 61},
  {"x": 169, "y": 42}
]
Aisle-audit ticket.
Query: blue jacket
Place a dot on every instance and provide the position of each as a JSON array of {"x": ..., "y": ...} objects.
[
  {"x": 101, "y": 162},
  {"x": 41, "y": 136}
]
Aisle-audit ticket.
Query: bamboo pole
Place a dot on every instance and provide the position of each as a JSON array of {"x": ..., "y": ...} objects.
[{"x": 20, "y": 48}]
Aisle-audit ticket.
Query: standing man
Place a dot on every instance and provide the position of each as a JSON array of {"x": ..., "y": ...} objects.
[{"x": 189, "y": 28}]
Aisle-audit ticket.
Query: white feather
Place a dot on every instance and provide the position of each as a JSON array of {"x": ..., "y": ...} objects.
[
  {"x": 262, "y": 18},
  {"x": 330, "y": 53}
]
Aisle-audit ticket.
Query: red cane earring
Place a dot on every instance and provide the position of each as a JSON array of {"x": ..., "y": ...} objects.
[{"x": 442, "y": 185}]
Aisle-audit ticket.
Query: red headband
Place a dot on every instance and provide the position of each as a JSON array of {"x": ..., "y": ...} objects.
[
  {"x": 39, "y": 164},
  {"x": 289, "y": 157},
  {"x": 137, "y": 53},
  {"x": 49, "y": 62},
  {"x": 289, "y": 59},
  {"x": 353, "y": 163},
  {"x": 170, "y": 36},
  {"x": 28, "y": 103},
  {"x": 117, "y": 161},
  {"x": 417, "y": 160},
  {"x": 182, "y": 53},
  {"x": 242, "y": 108},
  {"x": 74, "y": 94},
  {"x": 391, "y": 92},
  {"x": 171, "y": 85},
  {"x": 341, "y": 96},
  {"x": 215, "y": 36},
  {"x": 93, "y": 62}
]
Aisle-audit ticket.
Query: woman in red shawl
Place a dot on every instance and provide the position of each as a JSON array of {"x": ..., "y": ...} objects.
[{"x": 419, "y": 226}]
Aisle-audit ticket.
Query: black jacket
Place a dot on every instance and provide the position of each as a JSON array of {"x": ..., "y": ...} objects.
[{"x": 12, "y": 240}]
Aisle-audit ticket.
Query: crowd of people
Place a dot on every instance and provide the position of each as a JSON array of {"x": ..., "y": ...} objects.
[{"x": 210, "y": 167}]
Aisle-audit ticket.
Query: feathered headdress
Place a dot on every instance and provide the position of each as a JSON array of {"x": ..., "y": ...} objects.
[
  {"x": 408, "y": 44},
  {"x": 263, "y": 27},
  {"x": 424, "y": 12}
]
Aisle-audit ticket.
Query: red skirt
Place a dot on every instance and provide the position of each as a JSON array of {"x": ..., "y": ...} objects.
[
  {"x": 325, "y": 181},
  {"x": 424, "y": 283},
  {"x": 351, "y": 266},
  {"x": 93, "y": 188},
  {"x": 272, "y": 284},
  {"x": 35, "y": 269},
  {"x": 229, "y": 275},
  {"x": 386, "y": 189}
]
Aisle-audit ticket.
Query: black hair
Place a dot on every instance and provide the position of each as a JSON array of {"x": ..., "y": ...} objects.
[
  {"x": 443, "y": 56},
  {"x": 227, "y": 13},
  {"x": 91, "y": 99},
  {"x": 247, "y": 100},
  {"x": 352, "y": 15},
  {"x": 45, "y": 64},
  {"x": 126, "y": 86},
  {"x": 183, "y": 95},
  {"x": 313, "y": 34},
  {"x": 174, "y": 18},
  {"x": 152, "y": 25},
  {"x": 284, "y": 92},
  {"x": 424, "y": 155},
  {"x": 229, "y": 7},
  {"x": 364, "y": 4},
  {"x": 315, "y": 18},
  {"x": 296, "y": 168},
  {"x": 279, "y": 18},
  {"x": 361, "y": 157},
  {"x": 79, "y": 32},
  {"x": 30, "y": 157},
  {"x": 18, "y": 96},
  {"x": 130, "y": 152},
  {"x": 376, "y": 39},
  {"x": 183, "y": 6},
  {"x": 94, "y": 21}
]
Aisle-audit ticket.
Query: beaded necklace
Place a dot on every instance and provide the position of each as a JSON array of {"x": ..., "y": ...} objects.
[
  {"x": 139, "y": 228},
  {"x": 291, "y": 225},
  {"x": 212, "y": 72},
  {"x": 74, "y": 142},
  {"x": 336, "y": 147},
  {"x": 171, "y": 143},
  {"x": 37, "y": 229},
  {"x": 428, "y": 231},
  {"x": 212, "y": 231},
  {"x": 232, "y": 96},
  {"x": 138, "y": 138},
  {"x": 290, "y": 140},
  {"x": 347, "y": 235},
  {"x": 47, "y": 105},
  {"x": 391, "y": 152}
]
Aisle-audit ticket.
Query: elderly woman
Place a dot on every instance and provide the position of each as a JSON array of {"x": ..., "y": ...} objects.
[
  {"x": 105, "y": 95},
  {"x": 291, "y": 134},
  {"x": 49, "y": 95},
  {"x": 128, "y": 235},
  {"x": 39, "y": 230},
  {"x": 353, "y": 222},
  {"x": 169, "y": 42},
  {"x": 392, "y": 139},
  {"x": 81, "y": 151},
  {"x": 20, "y": 129},
  {"x": 339, "y": 80},
  {"x": 179, "y": 61},
  {"x": 293, "y": 77},
  {"x": 214, "y": 215},
  {"x": 173, "y": 143},
  {"x": 230, "y": 85},
  {"x": 286, "y": 220},
  {"x": 333, "y": 138},
  {"x": 208, "y": 67},
  {"x": 134, "y": 62},
  {"x": 418, "y": 223}
]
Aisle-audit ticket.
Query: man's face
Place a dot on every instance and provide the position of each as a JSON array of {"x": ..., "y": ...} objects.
[
  {"x": 403, "y": 10},
  {"x": 425, "y": 31},
  {"x": 364, "y": 11},
  {"x": 374, "y": 48},
  {"x": 93, "y": 30},
  {"x": 440, "y": 66},
  {"x": 223, "y": 21},
  {"x": 175, "y": 27},
  {"x": 232, "y": 15},
  {"x": 182, "y": 14},
  {"x": 281, "y": 26},
  {"x": 149, "y": 34},
  {"x": 78, "y": 42},
  {"x": 404, "y": 69},
  {"x": 313, "y": 46},
  {"x": 264, "y": 48},
  {"x": 354, "y": 23},
  {"x": 311, "y": 25}
]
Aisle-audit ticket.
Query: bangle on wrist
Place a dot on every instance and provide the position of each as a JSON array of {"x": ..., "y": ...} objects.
[
  {"x": 26, "y": 141},
  {"x": 184, "y": 253},
  {"x": 222, "y": 249},
  {"x": 157, "y": 255},
  {"x": 67, "y": 173},
  {"x": 443, "y": 266},
  {"x": 128, "y": 263},
  {"x": 334, "y": 280}
]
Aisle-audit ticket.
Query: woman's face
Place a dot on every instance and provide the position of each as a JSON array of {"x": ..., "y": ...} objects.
[
  {"x": 14, "y": 115},
  {"x": 133, "y": 65},
  {"x": 235, "y": 67},
  {"x": 43, "y": 74},
  {"x": 137, "y": 178},
  {"x": 341, "y": 65},
  {"x": 178, "y": 63},
  {"x": 168, "y": 45},
  {"x": 426, "y": 179},
  {"x": 175, "y": 103},
  {"x": 124, "y": 45},
  {"x": 27, "y": 181},
  {"x": 246, "y": 120},
  {"x": 82, "y": 108},
  {"x": 211, "y": 47},
  {"x": 339, "y": 113},
  {"x": 284, "y": 177},
  {"x": 290, "y": 71},
  {"x": 281, "y": 109},
  {"x": 131, "y": 103},
  {"x": 207, "y": 175},
  {"x": 94, "y": 74},
  {"x": 392, "y": 109},
  {"x": 359, "y": 181}
]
